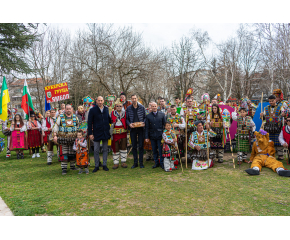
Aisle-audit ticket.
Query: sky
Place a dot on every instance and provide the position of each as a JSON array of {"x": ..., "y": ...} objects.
[{"x": 159, "y": 35}]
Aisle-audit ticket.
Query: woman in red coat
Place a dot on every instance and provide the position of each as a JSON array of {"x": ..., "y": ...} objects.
[{"x": 119, "y": 135}]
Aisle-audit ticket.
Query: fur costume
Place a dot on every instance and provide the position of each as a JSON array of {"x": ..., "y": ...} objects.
[{"x": 263, "y": 155}]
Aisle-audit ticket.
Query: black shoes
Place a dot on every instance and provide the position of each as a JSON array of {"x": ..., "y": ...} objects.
[
  {"x": 135, "y": 165},
  {"x": 22, "y": 155},
  {"x": 105, "y": 168},
  {"x": 49, "y": 163},
  {"x": 96, "y": 169},
  {"x": 284, "y": 173},
  {"x": 100, "y": 164},
  {"x": 63, "y": 172},
  {"x": 220, "y": 161},
  {"x": 162, "y": 166},
  {"x": 252, "y": 171},
  {"x": 156, "y": 165},
  {"x": 141, "y": 165}
]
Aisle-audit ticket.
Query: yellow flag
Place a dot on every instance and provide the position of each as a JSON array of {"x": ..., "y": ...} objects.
[{"x": 4, "y": 100}]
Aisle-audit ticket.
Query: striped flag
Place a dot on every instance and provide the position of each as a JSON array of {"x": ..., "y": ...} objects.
[{"x": 26, "y": 103}]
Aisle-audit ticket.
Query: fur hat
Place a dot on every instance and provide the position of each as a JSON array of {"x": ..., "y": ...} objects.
[
  {"x": 278, "y": 93},
  {"x": 118, "y": 101}
]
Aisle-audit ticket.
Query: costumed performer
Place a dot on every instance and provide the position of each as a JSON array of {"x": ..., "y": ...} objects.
[
  {"x": 18, "y": 139},
  {"x": 263, "y": 155},
  {"x": 199, "y": 144},
  {"x": 169, "y": 148},
  {"x": 119, "y": 135},
  {"x": 64, "y": 133}
]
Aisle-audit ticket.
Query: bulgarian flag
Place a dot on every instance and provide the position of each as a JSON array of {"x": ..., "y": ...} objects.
[
  {"x": 4, "y": 100},
  {"x": 26, "y": 103}
]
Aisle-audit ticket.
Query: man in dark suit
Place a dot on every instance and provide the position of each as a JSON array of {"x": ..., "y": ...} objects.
[
  {"x": 155, "y": 122},
  {"x": 99, "y": 130},
  {"x": 136, "y": 113}
]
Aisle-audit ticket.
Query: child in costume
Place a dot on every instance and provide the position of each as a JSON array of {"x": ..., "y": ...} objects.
[
  {"x": 244, "y": 132},
  {"x": 199, "y": 144},
  {"x": 18, "y": 140},
  {"x": 263, "y": 155},
  {"x": 177, "y": 126},
  {"x": 80, "y": 146},
  {"x": 169, "y": 149}
]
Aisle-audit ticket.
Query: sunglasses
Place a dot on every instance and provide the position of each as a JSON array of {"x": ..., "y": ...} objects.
[{"x": 287, "y": 120}]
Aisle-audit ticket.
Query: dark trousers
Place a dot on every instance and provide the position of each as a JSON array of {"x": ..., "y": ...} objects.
[
  {"x": 157, "y": 147},
  {"x": 134, "y": 132}
]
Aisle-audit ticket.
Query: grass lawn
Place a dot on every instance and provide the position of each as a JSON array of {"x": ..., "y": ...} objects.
[{"x": 31, "y": 187}]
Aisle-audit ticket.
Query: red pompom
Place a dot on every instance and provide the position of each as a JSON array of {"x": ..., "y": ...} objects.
[
  {"x": 170, "y": 168},
  {"x": 176, "y": 167}
]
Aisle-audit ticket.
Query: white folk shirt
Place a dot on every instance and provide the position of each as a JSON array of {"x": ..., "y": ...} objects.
[
  {"x": 281, "y": 137},
  {"x": 44, "y": 127},
  {"x": 23, "y": 129},
  {"x": 29, "y": 126}
]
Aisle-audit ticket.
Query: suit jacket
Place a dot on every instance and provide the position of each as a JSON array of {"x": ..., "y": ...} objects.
[
  {"x": 154, "y": 126},
  {"x": 99, "y": 123}
]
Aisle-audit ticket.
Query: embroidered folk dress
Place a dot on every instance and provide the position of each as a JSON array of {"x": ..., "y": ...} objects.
[
  {"x": 169, "y": 150},
  {"x": 81, "y": 152},
  {"x": 34, "y": 136},
  {"x": 199, "y": 158},
  {"x": 18, "y": 139},
  {"x": 218, "y": 127}
]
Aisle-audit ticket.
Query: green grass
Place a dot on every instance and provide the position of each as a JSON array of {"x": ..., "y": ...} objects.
[{"x": 30, "y": 187}]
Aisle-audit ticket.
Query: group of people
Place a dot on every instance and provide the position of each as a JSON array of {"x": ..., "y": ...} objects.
[{"x": 169, "y": 133}]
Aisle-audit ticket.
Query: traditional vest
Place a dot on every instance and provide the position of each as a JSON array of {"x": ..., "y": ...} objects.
[
  {"x": 67, "y": 131},
  {"x": 217, "y": 121},
  {"x": 80, "y": 149},
  {"x": 34, "y": 123},
  {"x": 122, "y": 118},
  {"x": 244, "y": 125},
  {"x": 273, "y": 117},
  {"x": 286, "y": 135},
  {"x": 199, "y": 140},
  {"x": 167, "y": 149},
  {"x": 191, "y": 117},
  {"x": 176, "y": 119},
  {"x": 273, "y": 120}
]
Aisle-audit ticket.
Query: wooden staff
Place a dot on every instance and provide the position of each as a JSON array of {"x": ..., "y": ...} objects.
[
  {"x": 262, "y": 126},
  {"x": 232, "y": 150},
  {"x": 179, "y": 157},
  {"x": 186, "y": 139},
  {"x": 207, "y": 133}
]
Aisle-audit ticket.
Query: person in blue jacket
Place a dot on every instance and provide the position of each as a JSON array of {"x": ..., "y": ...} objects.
[
  {"x": 135, "y": 113},
  {"x": 99, "y": 130},
  {"x": 154, "y": 126}
]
